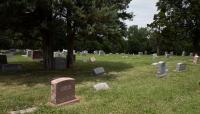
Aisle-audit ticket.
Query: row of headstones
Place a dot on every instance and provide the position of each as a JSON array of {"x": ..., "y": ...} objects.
[
  {"x": 5, "y": 67},
  {"x": 34, "y": 54},
  {"x": 96, "y": 52}
]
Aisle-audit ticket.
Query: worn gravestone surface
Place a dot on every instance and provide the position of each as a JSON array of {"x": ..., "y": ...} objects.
[
  {"x": 167, "y": 55},
  {"x": 36, "y": 54},
  {"x": 191, "y": 54},
  {"x": 171, "y": 53},
  {"x": 29, "y": 53},
  {"x": 145, "y": 52},
  {"x": 180, "y": 67},
  {"x": 99, "y": 71},
  {"x": 140, "y": 53},
  {"x": 195, "y": 59},
  {"x": 183, "y": 53},
  {"x": 60, "y": 63},
  {"x": 101, "y": 86},
  {"x": 11, "y": 67},
  {"x": 92, "y": 59},
  {"x": 63, "y": 91},
  {"x": 162, "y": 69}
]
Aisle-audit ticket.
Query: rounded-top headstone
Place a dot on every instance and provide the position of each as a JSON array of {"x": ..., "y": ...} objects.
[{"x": 63, "y": 91}]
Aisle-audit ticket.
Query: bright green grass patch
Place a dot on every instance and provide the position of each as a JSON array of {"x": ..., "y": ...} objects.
[{"x": 134, "y": 87}]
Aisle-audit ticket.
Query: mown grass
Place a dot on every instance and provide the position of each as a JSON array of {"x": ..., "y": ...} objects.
[{"x": 134, "y": 87}]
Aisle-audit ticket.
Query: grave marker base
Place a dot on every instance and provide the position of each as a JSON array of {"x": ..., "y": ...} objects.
[{"x": 76, "y": 100}]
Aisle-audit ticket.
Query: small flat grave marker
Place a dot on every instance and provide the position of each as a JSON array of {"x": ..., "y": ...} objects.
[
  {"x": 63, "y": 91},
  {"x": 101, "y": 86},
  {"x": 92, "y": 59},
  {"x": 99, "y": 71}
]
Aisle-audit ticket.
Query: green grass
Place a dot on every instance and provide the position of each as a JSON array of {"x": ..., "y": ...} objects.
[{"x": 134, "y": 87}]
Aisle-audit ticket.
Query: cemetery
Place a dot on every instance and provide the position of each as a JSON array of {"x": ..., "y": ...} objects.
[{"x": 99, "y": 57}]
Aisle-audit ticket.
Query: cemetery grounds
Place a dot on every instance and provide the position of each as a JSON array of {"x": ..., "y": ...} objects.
[{"x": 134, "y": 87}]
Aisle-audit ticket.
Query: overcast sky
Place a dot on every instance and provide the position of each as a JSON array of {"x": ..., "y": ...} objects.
[{"x": 143, "y": 10}]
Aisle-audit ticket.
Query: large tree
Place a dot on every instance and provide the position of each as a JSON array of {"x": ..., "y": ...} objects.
[{"x": 178, "y": 20}]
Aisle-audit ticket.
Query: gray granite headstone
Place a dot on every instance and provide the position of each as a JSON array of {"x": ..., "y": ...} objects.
[
  {"x": 162, "y": 69},
  {"x": 180, "y": 67},
  {"x": 183, "y": 53},
  {"x": 99, "y": 71},
  {"x": 60, "y": 63},
  {"x": 11, "y": 67}
]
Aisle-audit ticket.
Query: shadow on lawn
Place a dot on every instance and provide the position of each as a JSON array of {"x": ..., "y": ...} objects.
[{"x": 34, "y": 74}]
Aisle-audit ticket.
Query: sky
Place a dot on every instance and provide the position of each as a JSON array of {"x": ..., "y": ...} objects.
[{"x": 143, "y": 10}]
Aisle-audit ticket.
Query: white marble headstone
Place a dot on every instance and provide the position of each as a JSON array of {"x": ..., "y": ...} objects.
[{"x": 101, "y": 86}]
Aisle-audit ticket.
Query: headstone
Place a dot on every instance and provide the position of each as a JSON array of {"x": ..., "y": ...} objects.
[
  {"x": 172, "y": 53},
  {"x": 195, "y": 59},
  {"x": 99, "y": 71},
  {"x": 166, "y": 52},
  {"x": 63, "y": 91},
  {"x": 180, "y": 67},
  {"x": 60, "y": 63},
  {"x": 140, "y": 53},
  {"x": 183, "y": 53},
  {"x": 57, "y": 54},
  {"x": 29, "y": 53},
  {"x": 36, "y": 54},
  {"x": 162, "y": 69},
  {"x": 25, "y": 111},
  {"x": 155, "y": 55},
  {"x": 145, "y": 52},
  {"x": 11, "y": 67},
  {"x": 101, "y": 52},
  {"x": 167, "y": 55},
  {"x": 92, "y": 59},
  {"x": 101, "y": 86},
  {"x": 191, "y": 54}
]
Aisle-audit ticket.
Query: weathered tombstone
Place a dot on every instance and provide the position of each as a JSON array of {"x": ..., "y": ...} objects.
[
  {"x": 99, "y": 71},
  {"x": 140, "y": 53},
  {"x": 101, "y": 52},
  {"x": 60, "y": 63},
  {"x": 57, "y": 54},
  {"x": 11, "y": 67},
  {"x": 29, "y": 53},
  {"x": 171, "y": 53},
  {"x": 195, "y": 59},
  {"x": 145, "y": 52},
  {"x": 37, "y": 54},
  {"x": 183, "y": 53},
  {"x": 180, "y": 67},
  {"x": 191, "y": 54},
  {"x": 167, "y": 55},
  {"x": 166, "y": 52},
  {"x": 101, "y": 86},
  {"x": 92, "y": 59},
  {"x": 162, "y": 69},
  {"x": 63, "y": 91},
  {"x": 155, "y": 55}
]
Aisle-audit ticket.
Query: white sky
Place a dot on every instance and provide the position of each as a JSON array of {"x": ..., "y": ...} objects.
[{"x": 143, "y": 10}]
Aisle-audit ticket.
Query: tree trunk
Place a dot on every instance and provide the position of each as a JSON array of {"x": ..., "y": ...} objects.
[
  {"x": 196, "y": 46},
  {"x": 158, "y": 46},
  {"x": 48, "y": 59},
  {"x": 70, "y": 39}
]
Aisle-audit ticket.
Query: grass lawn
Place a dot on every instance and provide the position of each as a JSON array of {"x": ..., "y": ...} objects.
[{"x": 134, "y": 87}]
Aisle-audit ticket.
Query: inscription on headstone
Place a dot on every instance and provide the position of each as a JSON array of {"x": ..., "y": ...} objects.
[{"x": 63, "y": 91}]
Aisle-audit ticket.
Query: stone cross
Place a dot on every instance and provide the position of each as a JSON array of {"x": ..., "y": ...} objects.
[{"x": 63, "y": 91}]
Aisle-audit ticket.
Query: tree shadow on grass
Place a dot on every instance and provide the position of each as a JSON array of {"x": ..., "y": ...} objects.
[{"x": 33, "y": 73}]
